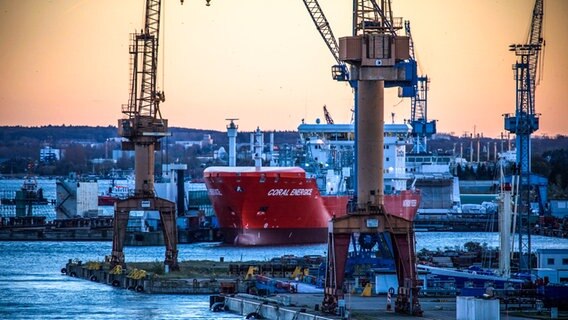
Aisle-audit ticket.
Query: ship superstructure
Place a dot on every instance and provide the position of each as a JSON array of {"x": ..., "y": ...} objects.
[
  {"x": 331, "y": 146},
  {"x": 292, "y": 204}
]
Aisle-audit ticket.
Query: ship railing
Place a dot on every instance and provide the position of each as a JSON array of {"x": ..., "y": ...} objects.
[
  {"x": 337, "y": 193},
  {"x": 438, "y": 292},
  {"x": 518, "y": 298}
]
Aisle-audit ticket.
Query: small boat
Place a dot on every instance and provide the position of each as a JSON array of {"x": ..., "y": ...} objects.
[
  {"x": 29, "y": 194},
  {"x": 115, "y": 193}
]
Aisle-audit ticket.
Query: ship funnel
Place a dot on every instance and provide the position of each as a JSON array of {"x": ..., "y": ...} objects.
[
  {"x": 232, "y": 133},
  {"x": 271, "y": 150},
  {"x": 258, "y": 144}
]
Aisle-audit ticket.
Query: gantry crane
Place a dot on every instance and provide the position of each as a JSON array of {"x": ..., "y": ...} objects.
[
  {"x": 379, "y": 58},
  {"x": 143, "y": 127},
  {"x": 524, "y": 122},
  {"x": 422, "y": 129},
  {"x": 377, "y": 55},
  {"x": 340, "y": 71},
  {"x": 328, "y": 118}
]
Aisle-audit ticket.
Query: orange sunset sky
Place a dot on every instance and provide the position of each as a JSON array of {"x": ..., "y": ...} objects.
[{"x": 262, "y": 61}]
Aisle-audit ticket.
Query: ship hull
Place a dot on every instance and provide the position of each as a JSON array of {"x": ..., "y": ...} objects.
[
  {"x": 271, "y": 237},
  {"x": 107, "y": 200},
  {"x": 281, "y": 206}
]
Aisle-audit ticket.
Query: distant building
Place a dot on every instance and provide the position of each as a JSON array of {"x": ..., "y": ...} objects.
[
  {"x": 189, "y": 144},
  {"x": 206, "y": 141},
  {"x": 76, "y": 199},
  {"x": 102, "y": 161},
  {"x": 83, "y": 142},
  {"x": 117, "y": 154},
  {"x": 220, "y": 154},
  {"x": 509, "y": 156},
  {"x": 559, "y": 208},
  {"x": 116, "y": 139},
  {"x": 49, "y": 154},
  {"x": 553, "y": 263}
]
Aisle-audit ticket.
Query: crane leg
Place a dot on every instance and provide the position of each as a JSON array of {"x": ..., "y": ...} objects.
[
  {"x": 404, "y": 254},
  {"x": 167, "y": 211},
  {"x": 337, "y": 248},
  {"x": 121, "y": 214},
  {"x": 405, "y": 260},
  {"x": 169, "y": 228}
]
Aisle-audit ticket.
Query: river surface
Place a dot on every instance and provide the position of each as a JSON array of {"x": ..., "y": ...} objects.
[{"x": 31, "y": 286}]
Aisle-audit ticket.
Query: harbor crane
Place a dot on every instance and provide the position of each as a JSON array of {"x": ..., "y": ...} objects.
[
  {"x": 524, "y": 122},
  {"x": 328, "y": 118},
  {"x": 422, "y": 129},
  {"x": 378, "y": 58},
  {"x": 143, "y": 126},
  {"x": 377, "y": 55},
  {"x": 340, "y": 71}
]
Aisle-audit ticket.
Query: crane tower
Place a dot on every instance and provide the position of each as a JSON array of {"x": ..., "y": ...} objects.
[
  {"x": 340, "y": 71},
  {"x": 524, "y": 122},
  {"x": 377, "y": 55},
  {"x": 422, "y": 129},
  {"x": 143, "y": 127}
]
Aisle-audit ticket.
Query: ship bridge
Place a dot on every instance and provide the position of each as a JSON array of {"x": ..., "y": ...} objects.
[{"x": 321, "y": 138}]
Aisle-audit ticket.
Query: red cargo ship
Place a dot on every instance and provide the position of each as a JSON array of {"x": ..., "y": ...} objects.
[{"x": 281, "y": 205}]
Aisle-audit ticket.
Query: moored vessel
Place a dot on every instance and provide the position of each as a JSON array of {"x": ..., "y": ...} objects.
[
  {"x": 258, "y": 205},
  {"x": 114, "y": 194}
]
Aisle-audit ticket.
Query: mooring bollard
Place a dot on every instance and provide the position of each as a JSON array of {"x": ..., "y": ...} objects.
[{"x": 389, "y": 295}]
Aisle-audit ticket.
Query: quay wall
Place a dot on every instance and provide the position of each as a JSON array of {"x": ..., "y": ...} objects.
[
  {"x": 46, "y": 234},
  {"x": 155, "y": 285},
  {"x": 247, "y": 304}
]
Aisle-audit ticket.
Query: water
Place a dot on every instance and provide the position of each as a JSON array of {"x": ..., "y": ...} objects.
[
  {"x": 435, "y": 240},
  {"x": 31, "y": 286}
]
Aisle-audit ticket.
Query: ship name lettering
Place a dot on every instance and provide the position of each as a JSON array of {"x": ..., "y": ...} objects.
[
  {"x": 301, "y": 192},
  {"x": 277, "y": 192},
  {"x": 290, "y": 192},
  {"x": 409, "y": 203}
]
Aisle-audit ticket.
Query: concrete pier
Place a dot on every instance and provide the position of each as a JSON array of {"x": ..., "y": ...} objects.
[
  {"x": 271, "y": 308},
  {"x": 152, "y": 283},
  {"x": 229, "y": 288},
  {"x": 302, "y": 307}
]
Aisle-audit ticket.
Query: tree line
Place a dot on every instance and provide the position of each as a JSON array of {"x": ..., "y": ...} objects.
[{"x": 20, "y": 146}]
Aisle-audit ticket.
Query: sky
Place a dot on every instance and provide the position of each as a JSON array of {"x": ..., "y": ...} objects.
[{"x": 263, "y": 61}]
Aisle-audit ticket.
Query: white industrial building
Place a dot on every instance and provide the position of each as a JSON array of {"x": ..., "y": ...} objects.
[
  {"x": 553, "y": 263},
  {"x": 47, "y": 154}
]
